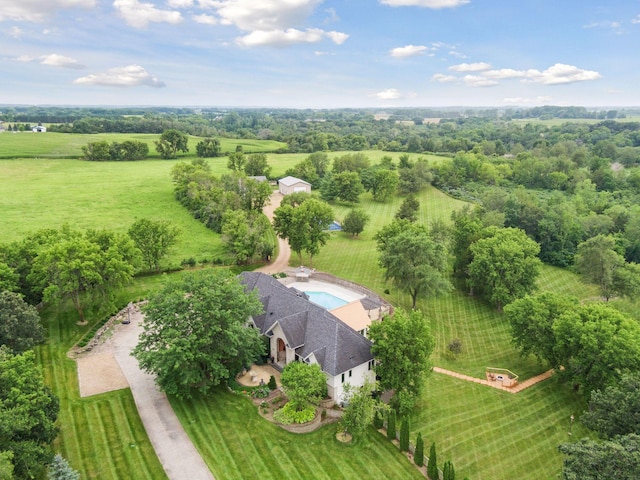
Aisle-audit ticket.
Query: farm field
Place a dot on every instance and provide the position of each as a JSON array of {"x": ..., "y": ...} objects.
[{"x": 69, "y": 145}]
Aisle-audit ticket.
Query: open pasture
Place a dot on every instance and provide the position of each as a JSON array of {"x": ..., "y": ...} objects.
[{"x": 69, "y": 145}]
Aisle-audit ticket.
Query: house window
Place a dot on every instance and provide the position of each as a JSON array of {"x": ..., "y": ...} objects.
[
  {"x": 350, "y": 372},
  {"x": 343, "y": 378}
]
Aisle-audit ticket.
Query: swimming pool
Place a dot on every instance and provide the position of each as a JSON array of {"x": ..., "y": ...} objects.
[{"x": 326, "y": 300}]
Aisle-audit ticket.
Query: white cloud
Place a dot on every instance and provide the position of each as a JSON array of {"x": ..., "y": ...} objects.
[
  {"x": 180, "y": 3},
  {"x": 470, "y": 67},
  {"x": 636, "y": 20},
  {"x": 25, "y": 58},
  {"x": 478, "y": 81},
  {"x": 139, "y": 15},
  {"x": 408, "y": 51},
  {"x": 37, "y": 10},
  {"x": 56, "y": 60},
  {"x": 561, "y": 74},
  {"x": 504, "y": 73},
  {"x": 129, "y": 76},
  {"x": 291, "y": 36},
  {"x": 264, "y": 15},
  {"x": 388, "y": 94},
  {"x": 205, "y": 19},
  {"x": 15, "y": 32},
  {"x": 434, "y": 4},
  {"x": 441, "y": 77}
]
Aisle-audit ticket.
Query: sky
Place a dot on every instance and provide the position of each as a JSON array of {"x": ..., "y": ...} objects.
[{"x": 320, "y": 54}]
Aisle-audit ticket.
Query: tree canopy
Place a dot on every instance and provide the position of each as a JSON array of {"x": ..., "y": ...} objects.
[
  {"x": 154, "y": 239},
  {"x": 195, "y": 334},
  {"x": 28, "y": 411},
  {"x": 171, "y": 142},
  {"x": 20, "y": 326},
  {"x": 304, "y": 384},
  {"x": 355, "y": 221},
  {"x": 413, "y": 260},
  {"x": 401, "y": 346},
  {"x": 617, "y": 459}
]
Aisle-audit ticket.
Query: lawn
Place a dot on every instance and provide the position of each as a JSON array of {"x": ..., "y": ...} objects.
[{"x": 237, "y": 443}]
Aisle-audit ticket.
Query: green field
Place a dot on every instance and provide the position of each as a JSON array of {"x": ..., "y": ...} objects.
[
  {"x": 69, "y": 145},
  {"x": 487, "y": 434}
]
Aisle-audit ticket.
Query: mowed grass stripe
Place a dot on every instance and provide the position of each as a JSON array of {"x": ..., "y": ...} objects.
[{"x": 235, "y": 434}]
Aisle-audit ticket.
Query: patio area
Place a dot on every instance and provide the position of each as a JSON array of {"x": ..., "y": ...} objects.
[{"x": 258, "y": 373}]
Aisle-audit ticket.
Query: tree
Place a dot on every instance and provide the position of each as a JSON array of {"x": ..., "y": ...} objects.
[
  {"x": 236, "y": 161},
  {"x": 257, "y": 165},
  {"x": 355, "y": 221},
  {"x": 61, "y": 470},
  {"x": 391, "y": 425},
  {"x": 209, "y": 147},
  {"x": 616, "y": 409},
  {"x": 96, "y": 151},
  {"x": 414, "y": 262},
  {"x": 418, "y": 455},
  {"x": 616, "y": 459},
  {"x": 9, "y": 279},
  {"x": 304, "y": 226},
  {"x": 596, "y": 344},
  {"x": 532, "y": 319},
  {"x": 246, "y": 234},
  {"x": 154, "y": 239},
  {"x": 361, "y": 408},
  {"x": 304, "y": 384},
  {"x": 28, "y": 411},
  {"x": 171, "y": 142},
  {"x": 505, "y": 265},
  {"x": 6, "y": 465},
  {"x": 597, "y": 260},
  {"x": 85, "y": 267},
  {"x": 467, "y": 228},
  {"x": 408, "y": 209},
  {"x": 383, "y": 184},
  {"x": 195, "y": 334},
  {"x": 448, "y": 472},
  {"x": 432, "y": 466},
  {"x": 404, "y": 434},
  {"x": 20, "y": 327},
  {"x": 345, "y": 186},
  {"x": 401, "y": 346}
]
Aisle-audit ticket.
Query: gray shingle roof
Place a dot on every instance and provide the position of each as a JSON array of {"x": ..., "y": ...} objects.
[{"x": 308, "y": 328}]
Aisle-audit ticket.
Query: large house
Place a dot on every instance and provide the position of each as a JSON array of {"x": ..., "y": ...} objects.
[
  {"x": 290, "y": 184},
  {"x": 299, "y": 330}
]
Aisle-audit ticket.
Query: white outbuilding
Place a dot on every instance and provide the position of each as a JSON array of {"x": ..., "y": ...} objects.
[{"x": 290, "y": 184}]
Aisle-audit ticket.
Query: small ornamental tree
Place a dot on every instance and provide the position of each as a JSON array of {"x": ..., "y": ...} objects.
[
  {"x": 361, "y": 408},
  {"x": 418, "y": 456},
  {"x": 404, "y": 435},
  {"x": 61, "y": 470},
  {"x": 391, "y": 425},
  {"x": 272, "y": 383},
  {"x": 378, "y": 421},
  {"x": 304, "y": 384},
  {"x": 448, "y": 472},
  {"x": 355, "y": 221},
  {"x": 432, "y": 466}
]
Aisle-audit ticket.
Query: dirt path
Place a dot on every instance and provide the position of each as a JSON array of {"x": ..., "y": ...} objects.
[
  {"x": 281, "y": 263},
  {"x": 518, "y": 388}
]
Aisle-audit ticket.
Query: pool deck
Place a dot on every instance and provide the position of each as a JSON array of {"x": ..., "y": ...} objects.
[{"x": 336, "y": 290}]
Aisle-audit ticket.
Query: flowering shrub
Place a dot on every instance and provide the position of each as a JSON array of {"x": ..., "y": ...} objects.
[{"x": 260, "y": 392}]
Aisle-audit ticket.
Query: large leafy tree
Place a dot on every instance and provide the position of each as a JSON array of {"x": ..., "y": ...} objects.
[
  {"x": 401, "y": 346},
  {"x": 154, "y": 239},
  {"x": 85, "y": 267},
  {"x": 596, "y": 344},
  {"x": 532, "y": 319},
  {"x": 20, "y": 327},
  {"x": 616, "y": 409},
  {"x": 617, "y": 459},
  {"x": 195, "y": 334},
  {"x": 246, "y": 235},
  {"x": 598, "y": 261},
  {"x": 28, "y": 411},
  {"x": 304, "y": 226},
  {"x": 414, "y": 261},
  {"x": 209, "y": 147},
  {"x": 505, "y": 265},
  {"x": 171, "y": 142},
  {"x": 361, "y": 408},
  {"x": 409, "y": 209},
  {"x": 257, "y": 165},
  {"x": 355, "y": 221},
  {"x": 304, "y": 384}
]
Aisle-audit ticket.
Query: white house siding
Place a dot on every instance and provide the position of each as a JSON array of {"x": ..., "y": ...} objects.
[{"x": 359, "y": 375}]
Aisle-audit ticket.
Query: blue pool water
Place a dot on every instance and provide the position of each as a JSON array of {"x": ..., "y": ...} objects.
[{"x": 326, "y": 300}]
